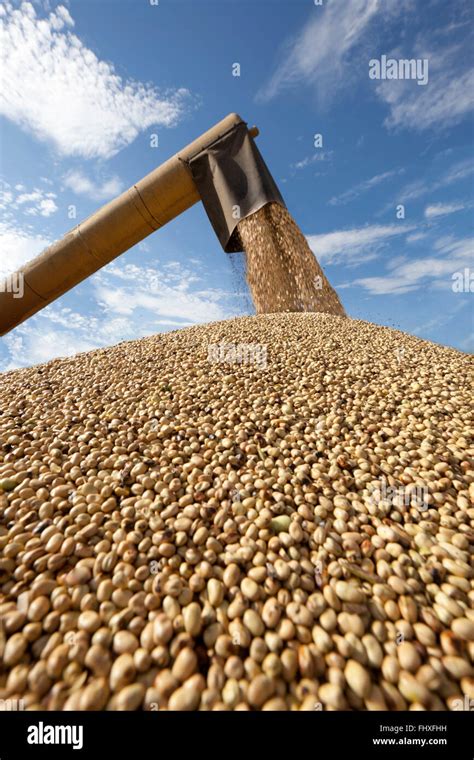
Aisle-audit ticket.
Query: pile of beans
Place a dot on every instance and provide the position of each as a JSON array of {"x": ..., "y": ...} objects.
[{"x": 185, "y": 533}]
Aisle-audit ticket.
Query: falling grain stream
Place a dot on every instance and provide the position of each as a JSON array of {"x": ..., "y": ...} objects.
[{"x": 282, "y": 271}]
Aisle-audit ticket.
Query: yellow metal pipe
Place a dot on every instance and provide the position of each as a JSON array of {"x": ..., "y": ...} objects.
[{"x": 113, "y": 229}]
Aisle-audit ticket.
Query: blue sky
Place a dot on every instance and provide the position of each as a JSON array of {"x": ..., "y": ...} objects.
[{"x": 88, "y": 82}]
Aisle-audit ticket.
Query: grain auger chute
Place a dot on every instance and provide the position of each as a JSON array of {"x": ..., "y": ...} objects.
[{"x": 223, "y": 168}]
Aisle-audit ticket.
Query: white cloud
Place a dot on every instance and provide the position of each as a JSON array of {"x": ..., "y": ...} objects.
[
  {"x": 443, "y": 102},
  {"x": 435, "y": 271},
  {"x": 80, "y": 184},
  {"x": 363, "y": 187},
  {"x": 413, "y": 190},
  {"x": 166, "y": 293},
  {"x": 47, "y": 207},
  {"x": 56, "y": 88},
  {"x": 458, "y": 172},
  {"x": 416, "y": 236},
  {"x": 34, "y": 203},
  {"x": 28, "y": 346},
  {"x": 353, "y": 246},
  {"x": 458, "y": 248},
  {"x": 442, "y": 209},
  {"x": 6, "y": 196},
  {"x": 325, "y": 155},
  {"x": 420, "y": 187},
  {"x": 190, "y": 307},
  {"x": 386, "y": 285},
  {"x": 333, "y": 49},
  {"x": 17, "y": 246},
  {"x": 37, "y": 202},
  {"x": 124, "y": 303},
  {"x": 323, "y": 53},
  {"x": 445, "y": 105}
]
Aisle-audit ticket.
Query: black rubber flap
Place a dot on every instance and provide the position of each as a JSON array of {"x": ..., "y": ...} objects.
[{"x": 233, "y": 181}]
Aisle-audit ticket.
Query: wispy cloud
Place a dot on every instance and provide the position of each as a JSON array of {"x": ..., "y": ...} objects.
[
  {"x": 443, "y": 209},
  {"x": 81, "y": 184},
  {"x": 440, "y": 319},
  {"x": 332, "y": 51},
  {"x": 418, "y": 188},
  {"x": 356, "y": 245},
  {"x": 443, "y": 103},
  {"x": 325, "y": 52},
  {"x": 314, "y": 158},
  {"x": 459, "y": 248},
  {"x": 57, "y": 89},
  {"x": 435, "y": 271},
  {"x": 416, "y": 237},
  {"x": 363, "y": 187}
]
